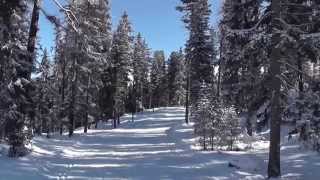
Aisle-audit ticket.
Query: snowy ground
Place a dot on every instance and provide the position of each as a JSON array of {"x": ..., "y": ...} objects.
[{"x": 156, "y": 146}]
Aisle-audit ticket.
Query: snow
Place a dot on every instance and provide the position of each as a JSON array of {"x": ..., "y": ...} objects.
[{"x": 157, "y": 145}]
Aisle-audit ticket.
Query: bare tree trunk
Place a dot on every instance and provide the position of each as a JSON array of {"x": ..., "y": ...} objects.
[{"x": 274, "y": 152}]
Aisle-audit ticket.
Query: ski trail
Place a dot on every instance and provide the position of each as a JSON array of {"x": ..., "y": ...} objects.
[{"x": 157, "y": 145}]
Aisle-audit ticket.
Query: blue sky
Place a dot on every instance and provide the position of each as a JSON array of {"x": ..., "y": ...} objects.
[{"x": 157, "y": 20}]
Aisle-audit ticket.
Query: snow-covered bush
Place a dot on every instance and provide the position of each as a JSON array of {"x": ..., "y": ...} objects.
[
  {"x": 231, "y": 129},
  {"x": 201, "y": 116},
  {"x": 216, "y": 125}
]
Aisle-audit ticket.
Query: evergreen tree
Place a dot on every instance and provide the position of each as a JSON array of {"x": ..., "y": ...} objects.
[
  {"x": 157, "y": 79},
  {"x": 239, "y": 63},
  {"x": 141, "y": 71},
  {"x": 97, "y": 31},
  {"x": 15, "y": 74},
  {"x": 217, "y": 125},
  {"x": 176, "y": 78},
  {"x": 87, "y": 46},
  {"x": 300, "y": 18},
  {"x": 45, "y": 94},
  {"x": 201, "y": 116},
  {"x": 121, "y": 57},
  {"x": 61, "y": 74},
  {"x": 198, "y": 48}
]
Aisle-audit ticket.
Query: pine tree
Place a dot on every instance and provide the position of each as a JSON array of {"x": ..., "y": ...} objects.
[
  {"x": 231, "y": 127},
  {"x": 87, "y": 46},
  {"x": 239, "y": 65},
  {"x": 16, "y": 66},
  {"x": 97, "y": 29},
  {"x": 176, "y": 78},
  {"x": 61, "y": 73},
  {"x": 198, "y": 48},
  {"x": 121, "y": 57},
  {"x": 300, "y": 18},
  {"x": 217, "y": 125},
  {"x": 45, "y": 94},
  {"x": 157, "y": 79},
  {"x": 201, "y": 116},
  {"x": 141, "y": 72}
]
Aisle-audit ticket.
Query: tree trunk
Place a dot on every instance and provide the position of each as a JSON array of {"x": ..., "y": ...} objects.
[
  {"x": 114, "y": 118},
  {"x": 219, "y": 77},
  {"x": 150, "y": 98},
  {"x": 48, "y": 129},
  {"x": 300, "y": 79},
  {"x": 39, "y": 109},
  {"x": 132, "y": 117},
  {"x": 62, "y": 94},
  {"x": 118, "y": 119},
  {"x": 87, "y": 107},
  {"x": 73, "y": 99},
  {"x": 33, "y": 34},
  {"x": 300, "y": 76},
  {"x": 187, "y": 96},
  {"x": 142, "y": 94},
  {"x": 31, "y": 47},
  {"x": 274, "y": 152},
  {"x": 249, "y": 123}
]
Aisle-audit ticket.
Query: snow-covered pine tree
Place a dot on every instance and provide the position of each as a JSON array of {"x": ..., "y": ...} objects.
[
  {"x": 198, "y": 47},
  {"x": 45, "y": 97},
  {"x": 76, "y": 53},
  {"x": 106, "y": 93},
  {"x": 281, "y": 47},
  {"x": 86, "y": 45},
  {"x": 215, "y": 123},
  {"x": 141, "y": 65},
  {"x": 215, "y": 44},
  {"x": 201, "y": 116},
  {"x": 301, "y": 23},
  {"x": 121, "y": 60},
  {"x": 176, "y": 78},
  {"x": 61, "y": 74},
  {"x": 240, "y": 66},
  {"x": 15, "y": 74},
  {"x": 97, "y": 31},
  {"x": 157, "y": 79},
  {"x": 230, "y": 129}
]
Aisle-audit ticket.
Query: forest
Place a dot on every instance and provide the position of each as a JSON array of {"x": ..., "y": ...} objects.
[{"x": 241, "y": 93}]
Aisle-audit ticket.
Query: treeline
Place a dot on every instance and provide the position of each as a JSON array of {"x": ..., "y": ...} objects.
[
  {"x": 94, "y": 74},
  {"x": 267, "y": 72}
]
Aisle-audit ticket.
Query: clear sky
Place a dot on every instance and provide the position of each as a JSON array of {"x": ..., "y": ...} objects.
[{"x": 157, "y": 20}]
